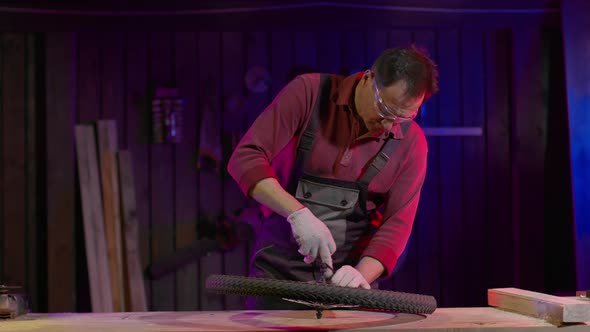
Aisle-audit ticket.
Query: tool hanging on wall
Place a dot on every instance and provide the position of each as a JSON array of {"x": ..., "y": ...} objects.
[{"x": 167, "y": 115}]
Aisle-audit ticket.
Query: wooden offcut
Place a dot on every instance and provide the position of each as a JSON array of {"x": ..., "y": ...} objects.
[
  {"x": 554, "y": 309},
  {"x": 94, "y": 233},
  {"x": 134, "y": 283},
  {"x": 107, "y": 145}
]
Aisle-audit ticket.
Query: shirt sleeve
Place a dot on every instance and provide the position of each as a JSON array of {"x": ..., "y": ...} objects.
[
  {"x": 400, "y": 206},
  {"x": 274, "y": 128}
]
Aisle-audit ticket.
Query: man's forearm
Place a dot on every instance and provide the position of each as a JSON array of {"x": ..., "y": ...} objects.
[
  {"x": 370, "y": 268},
  {"x": 270, "y": 193}
]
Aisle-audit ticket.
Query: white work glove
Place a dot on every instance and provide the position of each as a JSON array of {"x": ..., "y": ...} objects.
[
  {"x": 312, "y": 235},
  {"x": 348, "y": 276}
]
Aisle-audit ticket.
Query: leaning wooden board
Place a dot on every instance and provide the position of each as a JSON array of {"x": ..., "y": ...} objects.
[{"x": 443, "y": 320}]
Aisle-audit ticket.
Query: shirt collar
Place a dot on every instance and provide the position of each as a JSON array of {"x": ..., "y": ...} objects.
[{"x": 345, "y": 97}]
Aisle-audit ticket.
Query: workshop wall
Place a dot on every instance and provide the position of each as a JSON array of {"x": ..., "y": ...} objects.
[{"x": 495, "y": 209}]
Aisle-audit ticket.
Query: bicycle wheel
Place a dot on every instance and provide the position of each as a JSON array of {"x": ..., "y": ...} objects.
[{"x": 322, "y": 293}]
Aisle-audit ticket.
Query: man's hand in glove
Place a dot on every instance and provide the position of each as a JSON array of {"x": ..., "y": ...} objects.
[
  {"x": 312, "y": 235},
  {"x": 348, "y": 276}
]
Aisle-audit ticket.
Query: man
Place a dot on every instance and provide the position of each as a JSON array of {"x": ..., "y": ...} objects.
[{"x": 325, "y": 157}]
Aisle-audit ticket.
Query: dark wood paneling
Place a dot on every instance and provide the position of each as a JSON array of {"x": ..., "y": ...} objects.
[
  {"x": 499, "y": 250},
  {"x": 329, "y": 52},
  {"x": 451, "y": 169},
  {"x": 32, "y": 168},
  {"x": 473, "y": 202},
  {"x": 90, "y": 73},
  {"x": 210, "y": 184},
  {"x": 136, "y": 138},
  {"x": 305, "y": 47},
  {"x": 61, "y": 96},
  {"x": 14, "y": 158},
  {"x": 528, "y": 165},
  {"x": 428, "y": 223},
  {"x": 281, "y": 60},
  {"x": 161, "y": 168},
  {"x": 234, "y": 119},
  {"x": 352, "y": 52},
  {"x": 185, "y": 173}
]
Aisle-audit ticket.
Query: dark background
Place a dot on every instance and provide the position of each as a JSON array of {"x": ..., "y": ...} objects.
[{"x": 496, "y": 209}]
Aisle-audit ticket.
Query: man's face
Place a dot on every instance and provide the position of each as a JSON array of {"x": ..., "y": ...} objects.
[{"x": 384, "y": 106}]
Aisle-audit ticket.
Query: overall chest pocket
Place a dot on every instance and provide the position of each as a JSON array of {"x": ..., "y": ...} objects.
[{"x": 327, "y": 201}]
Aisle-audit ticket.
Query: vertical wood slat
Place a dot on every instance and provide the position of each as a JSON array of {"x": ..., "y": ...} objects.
[
  {"x": 352, "y": 55},
  {"x": 161, "y": 175},
  {"x": 89, "y": 75},
  {"x": 451, "y": 170},
  {"x": 234, "y": 119},
  {"x": 405, "y": 275},
  {"x": 529, "y": 122},
  {"x": 281, "y": 60},
  {"x": 60, "y": 164},
  {"x": 474, "y": 198},
  {"x": 137, "y": 139},
  {"x": 329, "y": 52},
  {"x": 2, "y": 78},
  {"x": 13, "y": 157},
  {"x": 258, "y": 52},
  {"x": 186, "y": 209},
  {"x": 499, "y": 245},
  {"x": 210, "y": 186},
  {"x": 112, "y": 82},
  {"x": 428, "y": 227},
  {"x": 93, "y": 218},
  {"x": 134, "y": 283},
  {"x": 32, "y": 167},
  {"x": 305, "y": 48},
  {"x": 107, "y": 148}
]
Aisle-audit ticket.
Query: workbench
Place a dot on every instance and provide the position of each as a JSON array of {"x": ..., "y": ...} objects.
[{"x": 485, "y": 319}]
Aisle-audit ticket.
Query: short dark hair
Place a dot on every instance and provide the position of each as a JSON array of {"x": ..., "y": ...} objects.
[{"x": 411, "y": 65}]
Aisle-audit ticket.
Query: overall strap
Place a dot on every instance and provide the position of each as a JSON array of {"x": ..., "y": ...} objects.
[
  {"x": 308, "y": 137},
  {"x": 382, "y": 157}
]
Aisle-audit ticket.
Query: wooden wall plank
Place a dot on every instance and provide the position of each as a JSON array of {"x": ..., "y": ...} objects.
[
  {"x": 428, "y": 222},
  {"x": 186, "y": 209},
  {"x": 14, "y": 172},
  {"x": 529, "y": 116},
  {"x": 235, "y": 117},
  {"x": 210, "y": 185},
  {"x": 352, "y": 53},
  {"x": 451, "y": 165},
  {"x": 89, "y": 74},
  {"x": 258, "y": 52},
  {"x": 60, "y": 202},
  {"x": 405, "y": 274},
  {"x": 305, "y": 47},
  {"x": 161, "y": 175},
  {"x": 329, "y": 52},
  {"x": 137, "y": 105},
  {"x": 499, "y": 250},
  {"x": 2, "y": 255},
  {"x": 134, "y": 283},
  {"x": 32, "y": 168},
  {"x": 109, "y": 176},
  {"x": 112, "y": 82},
  {"x": 474, "y": 184},
  {"x": 282, "y": 60},
  {"x": 93, "y": 219}
]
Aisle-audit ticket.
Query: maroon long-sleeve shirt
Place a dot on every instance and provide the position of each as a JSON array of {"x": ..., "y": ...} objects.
[{"x": 345, "y": 147}]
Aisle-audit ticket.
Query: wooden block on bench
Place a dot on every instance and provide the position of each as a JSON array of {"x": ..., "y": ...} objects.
[{"x": 554, "y": 309}]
